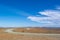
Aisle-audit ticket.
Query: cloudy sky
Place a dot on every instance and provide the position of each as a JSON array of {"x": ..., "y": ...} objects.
[{"x": 18, "y": 13}]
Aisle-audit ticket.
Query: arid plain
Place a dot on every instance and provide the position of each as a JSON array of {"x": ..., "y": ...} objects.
[{"x": 11, "y": 36}]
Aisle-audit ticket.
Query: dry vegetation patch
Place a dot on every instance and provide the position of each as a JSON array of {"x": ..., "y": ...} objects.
[{"x": 9, "y": 36}]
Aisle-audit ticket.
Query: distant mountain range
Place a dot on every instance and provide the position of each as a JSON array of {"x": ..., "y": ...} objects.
[{"x": 32, "y": 27}]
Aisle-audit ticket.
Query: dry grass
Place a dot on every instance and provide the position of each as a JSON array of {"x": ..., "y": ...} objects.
[
  {"x": 1, "y": 30},
  {"x": 37, "y": 30},
  {"x": 8, "y": 36}
]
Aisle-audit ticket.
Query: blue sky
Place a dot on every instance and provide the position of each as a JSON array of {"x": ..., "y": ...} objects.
[{"x": 18, "y": 13}]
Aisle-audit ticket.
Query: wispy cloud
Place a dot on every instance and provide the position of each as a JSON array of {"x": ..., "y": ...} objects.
[{"x": 53, "y": 17}]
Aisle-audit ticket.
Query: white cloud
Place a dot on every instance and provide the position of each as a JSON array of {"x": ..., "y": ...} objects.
[{"x": 53, "y": 17}]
